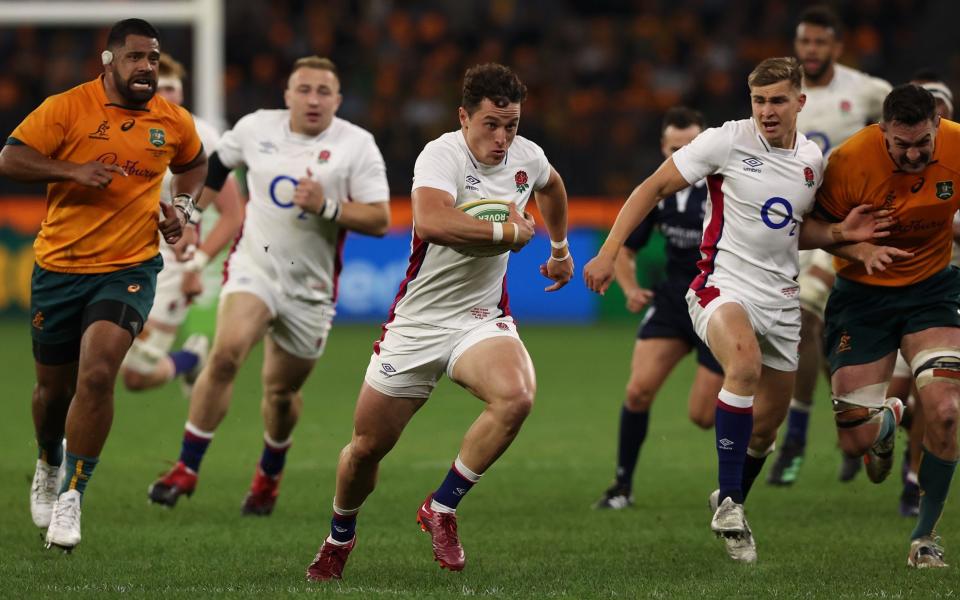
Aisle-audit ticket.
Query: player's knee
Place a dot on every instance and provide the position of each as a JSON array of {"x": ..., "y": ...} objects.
[
  {"x": 281, "y": 401},
  {"x": 96, "y": 380},
  {"x": 944, "y": 414},
  {"x": 639, "y": 397},
  {"x": 133, "y": 380},
  {"x": 53, "y": 392},
  {"x": 742, "y": 374},
  {"x": 224, "y": 365},
  {"x": 702, "y": 419}
]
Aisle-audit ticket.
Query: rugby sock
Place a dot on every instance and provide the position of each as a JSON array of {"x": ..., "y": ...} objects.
[
  {"x": 78, "y": 470},
  {"x": 455, "y": 486},
  {"x": 195, "y": 442},
  {"x": 183, "y": 361},
  {"x": 935, "y": 475},
  {"x": 752, "y": 465},
  {"x": 887, "y": 426},
  {"x": 734, "y": 424},
  {"x": 797, "y": 421},
  {"x": 633, "y": 431},
  {"x": 343, "y": 525},
  {"x": 51, "y": 453},
  {"x": 274, "y": 455}
]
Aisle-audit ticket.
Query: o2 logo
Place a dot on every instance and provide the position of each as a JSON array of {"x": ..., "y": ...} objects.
[
  {"x": 777, "y": 213},
  {"x": 285, "y": 185}
]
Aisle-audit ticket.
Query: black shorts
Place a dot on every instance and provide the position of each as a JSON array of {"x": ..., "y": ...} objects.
[{"x": 669, "y": 317}]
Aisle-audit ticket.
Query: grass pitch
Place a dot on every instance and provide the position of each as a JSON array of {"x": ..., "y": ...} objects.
[{"x": 527, "y": 528}]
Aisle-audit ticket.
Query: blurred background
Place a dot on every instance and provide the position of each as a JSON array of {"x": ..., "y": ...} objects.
[{"x": 600, "y": 74}]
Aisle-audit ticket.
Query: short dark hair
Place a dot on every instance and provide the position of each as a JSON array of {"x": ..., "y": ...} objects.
[
  {"x": 822, "y": 16},
  {"x": 909, "y": 104},
  {"x": 493, "y": 81},
  {"x": 121, "y": 29},
  {"x": 682, "y": 117}
]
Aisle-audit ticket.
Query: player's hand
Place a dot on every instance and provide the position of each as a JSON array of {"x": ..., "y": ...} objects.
[
  {"x": 598, "y": 273},
  {"x": 864, "y": 223},
  {"x": 876, "y": 258},
  {"x": 524, "y": 224},
  {"x": 559, "y": 268},
  {"x": 191, "y": 285},
  {"x": 638, "y": 298},
  {"x": 95, "y": 174},
  {"x": 308, "y": 194},
  {"x": 171, "y": 226},
  {"x": 187, "y": 244}
]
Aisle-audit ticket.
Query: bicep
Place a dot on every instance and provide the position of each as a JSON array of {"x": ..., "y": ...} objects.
[
  {"x": 427, "y": 201},
  {"x": 668, "y": 179}
]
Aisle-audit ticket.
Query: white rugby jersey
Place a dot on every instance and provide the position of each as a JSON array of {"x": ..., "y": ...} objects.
[
  {"x": 444, "y": 288},
  {"x": 757, "y": 196},
  {"x": 208, "y": 136},
  {"x": 836, "y": 111},
  {"x": 298, "y": 250}
]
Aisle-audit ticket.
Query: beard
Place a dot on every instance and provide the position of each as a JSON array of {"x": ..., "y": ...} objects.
[
  {"x": 135, "y": 96},
  {"x": 915, "y": 166},
  {"x": 814, "y": 75}
]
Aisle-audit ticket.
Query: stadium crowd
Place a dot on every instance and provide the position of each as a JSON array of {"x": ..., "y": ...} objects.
[{"x": 600, "y": 73}]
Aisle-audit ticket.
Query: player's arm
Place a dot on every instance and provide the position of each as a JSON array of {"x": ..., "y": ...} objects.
[
  {"x": 861, "y": 224},
  {"x": 230, "y": 206},
  {"x": 666, "y": 180},
  {"x": 872, "y": 256},
  {"x": 625, "y": 272},
  {"x": 552, "y": 201},
  {"x": 436, "y": 221},
  {"x": 20, "y": 162},
  {"x": 371, "y": 218},
  {"x": 188, "y": 178}
]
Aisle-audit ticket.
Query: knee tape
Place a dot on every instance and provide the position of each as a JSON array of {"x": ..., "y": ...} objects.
[
  {"x": 860, "y": 406},
  {"x": 936, "y": 364},
  {"x": 147, "y": 350}
]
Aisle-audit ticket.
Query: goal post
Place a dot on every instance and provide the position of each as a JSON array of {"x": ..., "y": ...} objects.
[{"x": 205, "y": 18}]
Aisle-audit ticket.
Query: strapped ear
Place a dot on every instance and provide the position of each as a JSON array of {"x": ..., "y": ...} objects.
[{"x": 106, "y": 57}]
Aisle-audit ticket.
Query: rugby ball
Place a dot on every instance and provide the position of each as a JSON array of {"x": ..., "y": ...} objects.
[{"x": 495, "y": 211}]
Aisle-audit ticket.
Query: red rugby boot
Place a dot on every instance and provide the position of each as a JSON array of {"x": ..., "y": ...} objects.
[{"x": 442, "y": 527}]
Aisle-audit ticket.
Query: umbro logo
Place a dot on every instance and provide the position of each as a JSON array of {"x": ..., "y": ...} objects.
[
  {"x": 753, "y": 164},
  {"x": 461, "y": 491},
  {"x": 726, "y": 444},
  {"x": 388, "y": 368},
  {"x": 267, "y": 148},
  {"x": 472, "y": 183},
  {"x": 339, "y": 529}
]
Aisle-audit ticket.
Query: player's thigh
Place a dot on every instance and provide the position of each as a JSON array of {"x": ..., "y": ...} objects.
[
  {"x": 652, "y": 361},
  {"x": 242, "y": 321},
  {"x": 283, "y": 372},
  {"x": 934, "y": 355},
  {"x": 492, "y": 363},
  {"x": 379, "y": 419},
  {"x": 853, "y": 377},
  {"x": 772, "y": 400},
  {"x": 732, "y": 339}
]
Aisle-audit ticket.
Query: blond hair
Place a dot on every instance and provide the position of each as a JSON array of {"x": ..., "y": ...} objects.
[
  {"x": 315, "y": 62},
  {"x": 775, "y": 70},
  {"x": 170, "y": 67}
]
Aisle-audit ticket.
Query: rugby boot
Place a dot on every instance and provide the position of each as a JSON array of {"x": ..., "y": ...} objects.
[
  {"x": 616, "y": 497},
  {"x": 442, "y": 528},
  {"x": 878, "y": 461},
  {"x": 926, "y": 553},
  {"x": 262, "y": 495},
  {"x": 329, "y": 562},
  {"x": 178, "y": 481}
]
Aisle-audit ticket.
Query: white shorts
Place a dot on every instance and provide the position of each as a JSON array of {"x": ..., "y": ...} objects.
[
  {"x": 299, "y": 327},
  {"x": 777, "y": 329},
  {"x": 813, "y": 291},
  {"x": 410, "y": 358},
  {"x": 169, "y": 304}
]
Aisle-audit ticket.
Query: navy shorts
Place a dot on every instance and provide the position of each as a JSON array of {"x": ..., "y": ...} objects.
[{"x": 669, "y": 317}]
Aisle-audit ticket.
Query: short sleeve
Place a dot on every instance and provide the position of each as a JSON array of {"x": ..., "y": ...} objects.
[
  {"x": 46, "y": 127},
  {"x": 368, "y": 175},
  {"x": 706, "y": 154},
  {"x": 208, "y": 135},
  {"x": 833, "y": 202},
  {"x": 190, "y": 144},
  {"x": 878, "y": 91},
  {"x": 437, "y": 167},
  {"x": 230, "y": 145},
  {"x": 543, "y": 168}
]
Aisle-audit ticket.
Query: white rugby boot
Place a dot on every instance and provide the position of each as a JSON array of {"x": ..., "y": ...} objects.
[
  {"x": 43, "y": 493},
  {"x": 64, "y": 531},
  {"x": 926, "y": 553},
  {"x": 730, "y": 524}
]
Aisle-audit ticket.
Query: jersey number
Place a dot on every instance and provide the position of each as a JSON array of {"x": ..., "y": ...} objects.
[
  {"x": 777, "y": 213},
  {"x": 279, "y": 202}
]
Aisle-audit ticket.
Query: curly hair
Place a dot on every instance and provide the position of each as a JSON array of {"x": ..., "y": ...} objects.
[{"x": 492, "y": 81}]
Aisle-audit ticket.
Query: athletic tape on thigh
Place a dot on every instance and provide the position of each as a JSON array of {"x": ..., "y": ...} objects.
[
  {"x": 146, "y": 351},
  {"x": 936, "y": 364},
  {"x": 859, "y": 406}
]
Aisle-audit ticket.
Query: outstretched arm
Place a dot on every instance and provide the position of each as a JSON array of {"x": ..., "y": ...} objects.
[
  {"x": 863, "y": 223},
  {"x": 552, "y": 201},
  {"x": 666, "y": 180}
]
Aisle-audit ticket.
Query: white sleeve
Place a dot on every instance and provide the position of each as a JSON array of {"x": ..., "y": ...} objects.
[
  {"x": 231, "y": 144},
  {"x": 877, "y": 90},
  {"x": 706, "y": 154},
  {"x": 543, "y": 166},
  {"x": 208, "y": 135},
  {"x": 368, "y": 175},
  {"x": 437, "y": 167}
]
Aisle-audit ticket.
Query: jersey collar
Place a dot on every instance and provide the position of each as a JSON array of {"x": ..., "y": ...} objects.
[
  {"x": 781, "y": 151},
  {"x": 101, "y": 95},
  {"x": 479, "y": 166}
]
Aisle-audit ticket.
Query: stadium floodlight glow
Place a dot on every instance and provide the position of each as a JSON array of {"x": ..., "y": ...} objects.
[{"x": 205, "y": 17}]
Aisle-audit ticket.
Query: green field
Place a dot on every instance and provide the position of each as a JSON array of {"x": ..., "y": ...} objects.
[{"x": 527, "y": 528}]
